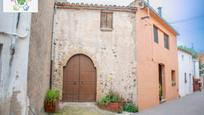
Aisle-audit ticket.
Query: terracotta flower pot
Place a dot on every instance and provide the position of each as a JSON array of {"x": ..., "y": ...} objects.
[
  {"x": 114, "y": 107},
  {"x": 51, "y": 107},
  {"x": 102, "y": 107}
]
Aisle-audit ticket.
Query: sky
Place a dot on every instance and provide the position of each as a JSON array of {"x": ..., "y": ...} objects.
[{"x": 186, "y": 16}]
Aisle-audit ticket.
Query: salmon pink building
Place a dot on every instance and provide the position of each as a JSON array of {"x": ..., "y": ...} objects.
[{"x": 157, "y": 60}]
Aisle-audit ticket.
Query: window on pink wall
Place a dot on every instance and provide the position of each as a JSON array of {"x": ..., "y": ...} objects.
[
  {"x": 156, "y": 37},
  {"x": 166, "y": 41},
  {"x": 173, "y": 77}
]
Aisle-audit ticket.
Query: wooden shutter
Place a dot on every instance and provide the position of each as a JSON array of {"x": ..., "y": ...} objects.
[
  {"x": 103, "y": 19},
  {"x": 106, "y": 20},
  {"x": 109, "y": 20}
]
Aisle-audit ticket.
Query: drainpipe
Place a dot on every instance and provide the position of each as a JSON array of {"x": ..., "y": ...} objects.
[
  {"x": 18, "y": 33},
  {"x": 148, "y": 2},
  {"x": 147, "y": 5},
  {"x": 52, "y": 49}
]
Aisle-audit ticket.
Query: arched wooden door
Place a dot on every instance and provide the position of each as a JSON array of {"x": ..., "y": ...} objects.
[{"x": 79, "y": 80}]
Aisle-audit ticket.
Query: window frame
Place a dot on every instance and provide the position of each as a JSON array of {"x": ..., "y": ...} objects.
[
  {"x": 166, "y": 41},
  {"x": 182, "y": 56},
  {"x": 185, "y": 78},
  {"x": 106, "y": 25},
  {"x": 156, "y": 34},
  {"x": 173, "y": 78}
]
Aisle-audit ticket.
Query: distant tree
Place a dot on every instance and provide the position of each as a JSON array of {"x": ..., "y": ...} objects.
[{"x": 189, "y": 50}]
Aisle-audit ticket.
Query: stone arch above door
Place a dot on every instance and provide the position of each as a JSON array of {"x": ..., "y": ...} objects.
[
  {"x": 72, "y": 53},
  {"x": 58, "y": 64}
]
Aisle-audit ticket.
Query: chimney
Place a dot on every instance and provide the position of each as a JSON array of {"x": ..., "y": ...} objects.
[
  {"x": 148, "y": 2},
  {"x": 160, "y": 11}
]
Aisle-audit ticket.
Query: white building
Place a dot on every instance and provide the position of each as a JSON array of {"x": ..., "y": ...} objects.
[
  {"x": 196, "y": 72},
  {"x": 14, "y": 48},
  {"x": 186, "y": 72}
]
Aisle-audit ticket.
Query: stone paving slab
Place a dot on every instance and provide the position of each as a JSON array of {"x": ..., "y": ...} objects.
[
  {"x": 189, "y": 105},
  {"x": 81, "y": 109}
]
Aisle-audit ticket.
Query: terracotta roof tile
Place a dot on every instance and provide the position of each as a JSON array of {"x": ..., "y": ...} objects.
[{"x": 68, "y": 5}]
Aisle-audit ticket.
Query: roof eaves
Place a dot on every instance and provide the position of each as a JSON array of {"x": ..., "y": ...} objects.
[
  {"x": 92, "y": 6},
  {"x": 155, "y": 12},
  {"x": 181, "y": 49}
]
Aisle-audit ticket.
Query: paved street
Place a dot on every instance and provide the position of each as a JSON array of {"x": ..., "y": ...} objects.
[{"x": 189, "y": 105}]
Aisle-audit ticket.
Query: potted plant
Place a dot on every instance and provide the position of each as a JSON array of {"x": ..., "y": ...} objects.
[
  {"x": 51, "y": 102},
  {"x": 130, "y": 107},
  {"x": 112, "y": 102}
]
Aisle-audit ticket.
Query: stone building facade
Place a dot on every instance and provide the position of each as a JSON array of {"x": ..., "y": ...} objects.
[{"x": 78, "y": 30}]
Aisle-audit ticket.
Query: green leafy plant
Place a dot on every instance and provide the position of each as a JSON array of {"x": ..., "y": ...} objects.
[
  {"x": 52, "y": 96},
  {"x": 130, "y": 107},
  {"x": 21, "y": 2},
  {"x": 111, "y": 97},
  {"x": 114, "y": 97}
]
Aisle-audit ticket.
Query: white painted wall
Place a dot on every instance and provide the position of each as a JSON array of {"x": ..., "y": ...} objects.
[
  {"x": 196, "y": 71},
  {"x": 13, "y": 81},
  {"x": 1, "y": 46},
  {"x": 185, "y": 66}
]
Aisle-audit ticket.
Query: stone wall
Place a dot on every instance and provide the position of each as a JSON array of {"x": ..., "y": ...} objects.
[
  {"x": 113, "y": 52},
  {"x": 40, "y": 54}
]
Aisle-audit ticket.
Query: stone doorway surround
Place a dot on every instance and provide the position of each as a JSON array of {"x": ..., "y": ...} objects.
[
  {"x": 79, "y": 80},
  {"x": 57, "y": 82}
]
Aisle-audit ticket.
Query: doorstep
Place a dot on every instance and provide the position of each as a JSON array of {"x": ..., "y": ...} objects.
[
  {"x": 81, "y": 108},
  {"x": 84, "y": 108},
  {"x": 163, "y": 101}
]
